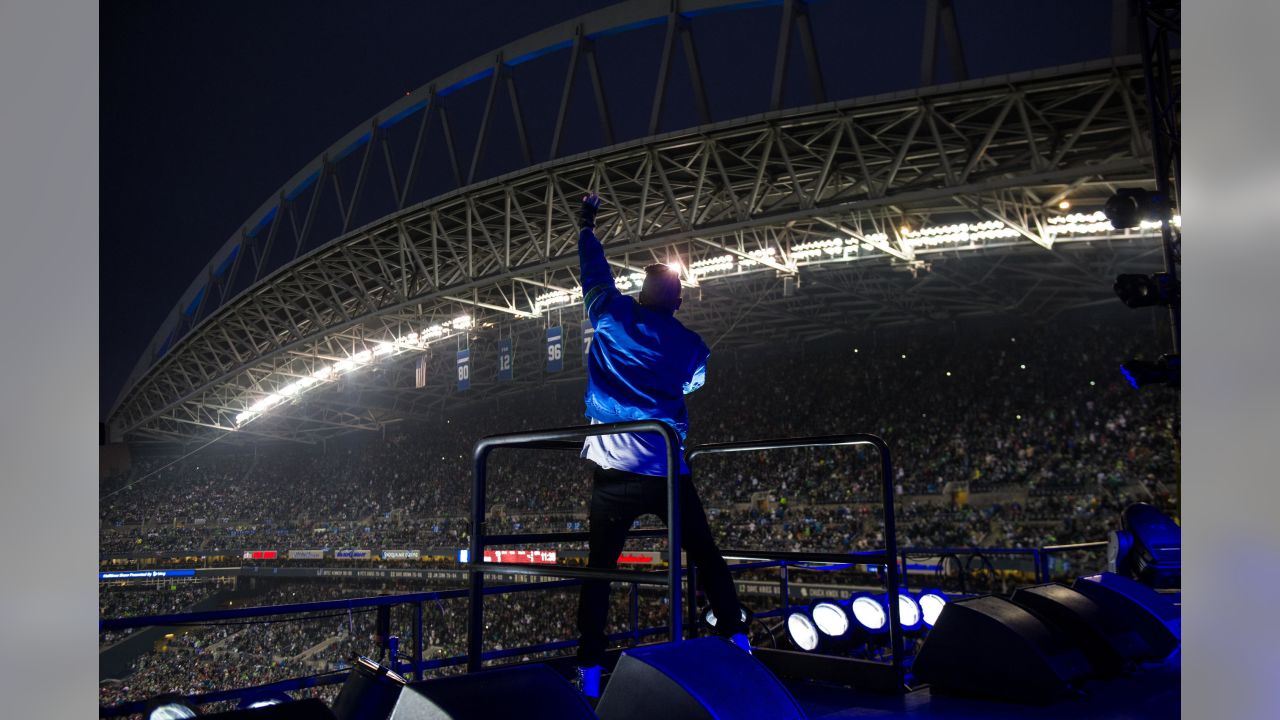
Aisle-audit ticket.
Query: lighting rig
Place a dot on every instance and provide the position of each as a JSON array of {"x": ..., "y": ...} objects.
[{"x": 1130, "y": 207}]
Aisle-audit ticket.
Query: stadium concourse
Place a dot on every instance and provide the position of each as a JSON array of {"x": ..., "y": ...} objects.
[{"x": 1014, "y": 437}]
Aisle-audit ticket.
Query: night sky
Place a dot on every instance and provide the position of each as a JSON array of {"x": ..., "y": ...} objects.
[{"x": 207, "y": 109}]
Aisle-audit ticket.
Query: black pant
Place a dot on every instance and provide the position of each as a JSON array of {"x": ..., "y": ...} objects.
[{"x": 617, "y": 499}]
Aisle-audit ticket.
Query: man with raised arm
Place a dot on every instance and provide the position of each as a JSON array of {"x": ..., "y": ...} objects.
[{"x": 641, "y": 364}]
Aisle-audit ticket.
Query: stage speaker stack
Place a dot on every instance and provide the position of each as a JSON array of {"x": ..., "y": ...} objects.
[
  {"x": 990, "y": 647},
  {"x": 1108, "y": 643},
  {"x": 310, "y": 709},
  {"x": 1152, "y": 615},
  {"x": 527, "y": 692},
  {"x": 704, "y": 679}
]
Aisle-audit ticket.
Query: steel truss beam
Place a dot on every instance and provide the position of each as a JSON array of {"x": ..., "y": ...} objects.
[{"x": 766, "y": 188}]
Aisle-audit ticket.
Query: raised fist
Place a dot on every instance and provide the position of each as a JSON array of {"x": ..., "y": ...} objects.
[{"x": 587, "y": 215}]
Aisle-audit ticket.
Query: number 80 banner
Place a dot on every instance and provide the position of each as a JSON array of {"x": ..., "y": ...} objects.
[
  {"x": 464, "y": 369},
  {"x": 555, "y": 349}
]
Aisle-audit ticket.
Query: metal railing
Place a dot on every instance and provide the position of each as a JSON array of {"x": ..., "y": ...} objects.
[
  {"x": 887, "y": 556},
  {"x": 570, "y": 438}
]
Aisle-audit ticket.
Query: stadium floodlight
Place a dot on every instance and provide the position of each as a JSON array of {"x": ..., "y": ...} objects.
[
  {"x": 802, "y": 631},
  {"x": 170, "y": 706},
  {"x": 1165, "y": 371},
  {"x": 931, "y": 603},
  {"x": 1130, "y": 206},
  {"x": 1138, "y": 291}
]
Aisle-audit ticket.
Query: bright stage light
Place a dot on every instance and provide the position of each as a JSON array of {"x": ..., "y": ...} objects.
[
  {"x": 170, "y": 706},
  {"x": 831, "y": 619},
  {"x": 264, "y": 700},
  {"x": 870, "y": 612},
  {"x": 931, "y": 604},
  {"x": 908, "y": 612},
  {"x": 802, "y": 631},
  {"x": 1064, "y": 205}
]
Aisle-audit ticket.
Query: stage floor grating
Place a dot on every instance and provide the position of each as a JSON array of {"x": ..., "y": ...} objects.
[{"x": 1151, "y": 692}]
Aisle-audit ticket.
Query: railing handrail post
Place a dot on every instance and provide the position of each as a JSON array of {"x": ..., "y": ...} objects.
[{"x": 560, "y": 439}]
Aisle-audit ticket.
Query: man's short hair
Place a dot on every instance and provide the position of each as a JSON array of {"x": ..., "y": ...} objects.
[{"x": 661, "y": 290}]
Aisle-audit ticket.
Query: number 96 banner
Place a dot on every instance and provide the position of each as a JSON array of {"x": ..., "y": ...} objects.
[
  {"x": 464, "y": 369},
  {"x": 555, "y": 349}
]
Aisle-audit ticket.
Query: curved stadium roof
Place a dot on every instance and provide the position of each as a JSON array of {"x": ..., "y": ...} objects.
[{"x": 804, "y": 219}]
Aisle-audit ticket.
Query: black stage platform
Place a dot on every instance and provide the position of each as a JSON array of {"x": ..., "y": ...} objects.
[{"x": 1152, "y": 692}]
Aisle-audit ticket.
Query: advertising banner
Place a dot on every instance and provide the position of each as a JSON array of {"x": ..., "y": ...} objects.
[
  {"x": 144, "y": 574},
  {"x": 401, "y": 554},
  {"x": 528, "y": 557},
  {"x": 352, "y": 554},
  {"x": 306, "y": 554},
  {"x": 260, "y": 554}
]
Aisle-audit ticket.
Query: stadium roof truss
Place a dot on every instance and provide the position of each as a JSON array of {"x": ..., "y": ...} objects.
[{"x": 791, "y": 225}]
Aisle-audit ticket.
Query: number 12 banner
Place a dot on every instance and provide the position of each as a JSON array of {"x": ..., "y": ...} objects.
[
  {"x": 555, "y": 349},
  {"x": 464, "y": 369},
  {"x": 504, "y": 360}
]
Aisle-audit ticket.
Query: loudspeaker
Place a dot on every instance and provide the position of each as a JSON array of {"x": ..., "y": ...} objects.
[
  {"x": 1107, "y": 643},
  {"x": 1131, "y": 604},
  {"x": 528, "y": 692},
  {"x": 989, "y": 646},
  {"x": 310, "y": 709},
  {"x": 703, "y": 679}
]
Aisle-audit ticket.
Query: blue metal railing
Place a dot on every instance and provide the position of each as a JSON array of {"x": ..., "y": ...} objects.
[{"x": 567, "y": 439}]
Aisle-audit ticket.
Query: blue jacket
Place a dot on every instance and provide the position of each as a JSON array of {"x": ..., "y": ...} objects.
[{"x": 642, "y": 362}]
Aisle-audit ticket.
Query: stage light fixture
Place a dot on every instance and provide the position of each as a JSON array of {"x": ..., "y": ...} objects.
[
  {"x": 170, "y": 706},
  {"x": 709, "y": 617},
  {"x": 831, "y": 618},
  {"x": 802, "y": 631},
  {"x": 909, "y": 613},
  {"x": 371, "y": 690},
  {"x": 1148, "y": 548},
  {"x": 1130, "y": 206},
  {"x": 261, "y": 700},
  {"x": 870, "y": 612},
  {"x": 1135, "y": 290},
  {"x": 1165, "y": 371},
  {"x": 931, "y": 604}
]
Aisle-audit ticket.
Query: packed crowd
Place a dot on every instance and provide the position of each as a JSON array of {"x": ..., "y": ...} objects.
[
  {"x": 205, "y": 658},
  {"x": 1042, "y": 411},
  {"x": 999, "y": 439}
]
